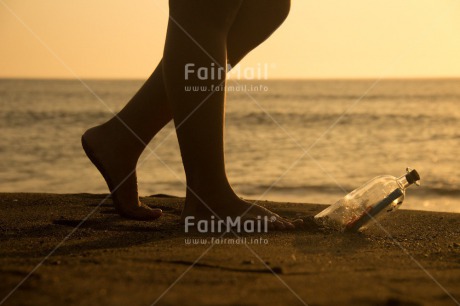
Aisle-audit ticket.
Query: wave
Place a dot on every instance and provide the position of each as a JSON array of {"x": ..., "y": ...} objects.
[
  {"x": 353, "y": 97},
  {"x": 15, "y": 118},
  {"x": 334, "y": 189},
  {"x": 306, "y": 118}
]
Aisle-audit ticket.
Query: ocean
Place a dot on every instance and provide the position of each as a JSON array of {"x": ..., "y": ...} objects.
[{"x": 291, "y": 140}]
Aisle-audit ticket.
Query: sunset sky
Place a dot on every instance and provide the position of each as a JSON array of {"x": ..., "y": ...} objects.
[{"x": 320, "y": 39}]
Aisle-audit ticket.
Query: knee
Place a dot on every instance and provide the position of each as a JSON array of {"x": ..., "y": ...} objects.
[
  {"x": 279, "y": 11},
  {"x": 212, "y": 15},
  {"x": 256, "y": 21},
  {"x": 286, "y": 8}
]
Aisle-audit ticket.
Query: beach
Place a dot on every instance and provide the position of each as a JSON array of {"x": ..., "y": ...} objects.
[
  {"x": 83, "y": 253},
  {"x": 115, "y": 112}
]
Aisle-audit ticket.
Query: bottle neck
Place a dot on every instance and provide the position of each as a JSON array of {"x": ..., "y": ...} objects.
[{"x": 402, "y": 182}]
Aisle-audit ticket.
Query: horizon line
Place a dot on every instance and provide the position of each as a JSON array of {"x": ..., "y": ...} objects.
[{"x": 395, "y": 78}]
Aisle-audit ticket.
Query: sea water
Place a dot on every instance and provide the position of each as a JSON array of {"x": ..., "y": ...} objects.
[{"x": 297, "y": 141}]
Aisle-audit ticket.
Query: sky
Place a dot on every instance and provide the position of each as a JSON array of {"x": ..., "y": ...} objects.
[{"x": 320, "y": 39}]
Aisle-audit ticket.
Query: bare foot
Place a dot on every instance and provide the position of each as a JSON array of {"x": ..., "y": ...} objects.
[
  {"x": 119, "y": 171},
  {"x": 232, "y": 206}
]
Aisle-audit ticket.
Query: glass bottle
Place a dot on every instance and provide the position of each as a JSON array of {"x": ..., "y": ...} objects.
[{"x": 383, "y": 193}]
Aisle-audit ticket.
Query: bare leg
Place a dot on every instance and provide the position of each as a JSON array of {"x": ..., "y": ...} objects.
[
  {"x": 148, "y": 111},
  {"x": 116, "y": 145},
  {"x": 200, "y": 40}
]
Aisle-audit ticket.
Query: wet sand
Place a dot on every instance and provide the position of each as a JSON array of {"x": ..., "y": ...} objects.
[{"x": 112, "y": 261}]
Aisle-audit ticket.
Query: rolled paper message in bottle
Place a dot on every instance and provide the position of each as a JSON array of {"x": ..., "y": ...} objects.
[{"x": 381, "y": 195}]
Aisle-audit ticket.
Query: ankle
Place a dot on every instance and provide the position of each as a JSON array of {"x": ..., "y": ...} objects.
[
  {"x": 211, "y": 194},
  {"x": 209, "y": 183},
  {"x": 120, "y": 138}
]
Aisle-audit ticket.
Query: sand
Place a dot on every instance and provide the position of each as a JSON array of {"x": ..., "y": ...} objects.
[{"x": 112, "y": 261}]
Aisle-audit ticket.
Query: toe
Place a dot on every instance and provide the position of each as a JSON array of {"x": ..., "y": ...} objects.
[
  {"x": 279, "y": 225},
  {"x": 151, "y": 214},
  {"x": 155, "y": 213},
  {"x": 270, "y": 226},
  {"x": 298, "y": 222},
  {"x": 142, "y": 213},
  {"x": 288, "y": 225}
]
